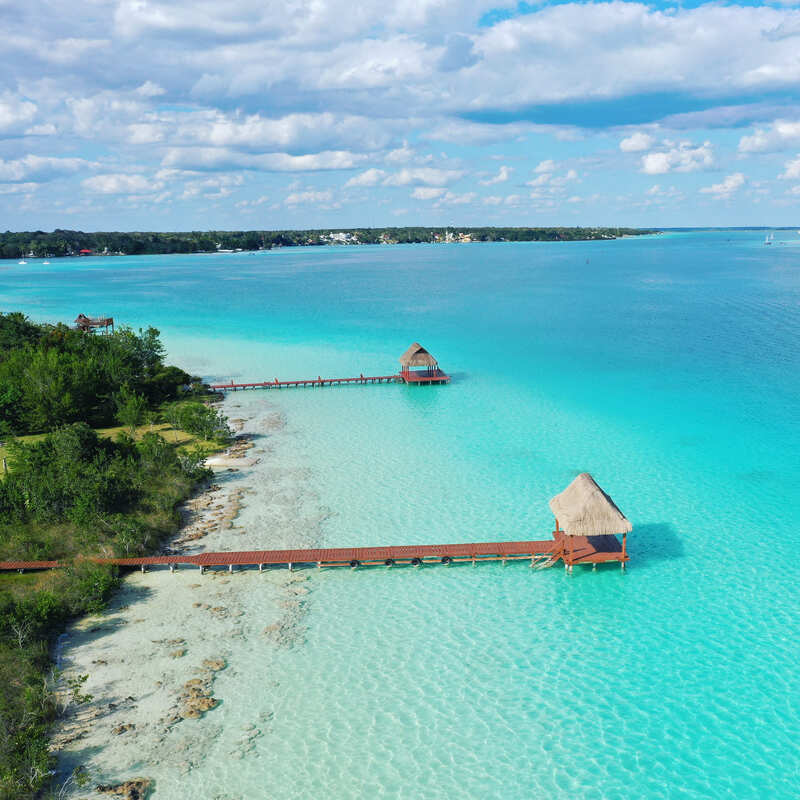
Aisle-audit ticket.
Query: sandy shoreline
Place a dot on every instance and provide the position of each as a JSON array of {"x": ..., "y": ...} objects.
[{"x": 159, "y": 659}]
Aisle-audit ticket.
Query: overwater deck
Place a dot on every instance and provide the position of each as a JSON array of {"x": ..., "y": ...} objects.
[
  {"x": 590, "y": 549},
  {"x": 434, "y": 375}
]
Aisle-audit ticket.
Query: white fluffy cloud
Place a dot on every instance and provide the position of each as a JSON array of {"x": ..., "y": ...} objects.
[
  {"x": 779, "y": 136},
  {"x": 309, "y": 197},
  {"x": 792, "y": 169},
  {"x": 41, "y": 168},
  {"x": 215, "y": 158},
  {"x": 120, "y": 183},
  {"x": 547, "y": 182},
  {"x": 443, "y": 196},
  {"x": 242, "y": 87},
  {"x": 503, "y": 174},
  {"x": 212, "y": 187},
  {"x": 730, "y": 185},
  {"x": 680, "y": 157},
  {"x": 15, "y": 112},
  {"x": 371, "y": 177},
  {"x": 300, "y": 23},
  {"x": 326, "y": 55},
  {"x": 428, "y": 192},
  {"x": 541, "y": 180},
  {"x": 430, "y": 176},
  {"x": 456, "y": 199},
  {"x": 561, "y": 52},
  {"x": 292, "y": 133},
  {"x": 636, "y": 142},
  {"x": 150, "y": 89},
  {"x": 45, "y": 129}
]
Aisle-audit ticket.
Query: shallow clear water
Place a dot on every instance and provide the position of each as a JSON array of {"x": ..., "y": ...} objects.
[{"x": 665, "y": 366}]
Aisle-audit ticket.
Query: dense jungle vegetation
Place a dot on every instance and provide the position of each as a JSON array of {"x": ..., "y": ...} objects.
[{"x": 73, "y": 491}]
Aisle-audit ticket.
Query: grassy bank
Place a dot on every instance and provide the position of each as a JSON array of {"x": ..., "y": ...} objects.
[{"x": 185, "y": 441}]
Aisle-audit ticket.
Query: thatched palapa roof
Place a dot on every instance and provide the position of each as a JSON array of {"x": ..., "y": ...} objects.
[
  {"x": 584, "y": 509},
  {"x": 417, "y": 356},
  {"x": 82, "y": 319}
]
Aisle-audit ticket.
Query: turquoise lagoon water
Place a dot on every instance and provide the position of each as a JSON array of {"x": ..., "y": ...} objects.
[{"x": 668, "y": 367}]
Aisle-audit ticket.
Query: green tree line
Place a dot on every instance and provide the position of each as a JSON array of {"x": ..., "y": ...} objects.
[{"x": 60, "y": 242}]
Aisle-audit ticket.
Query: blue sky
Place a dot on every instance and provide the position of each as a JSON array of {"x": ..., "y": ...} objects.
[{"x": 197, "y": 114}]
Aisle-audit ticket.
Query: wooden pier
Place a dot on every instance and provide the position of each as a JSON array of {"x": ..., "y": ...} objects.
[
  {"x": 583, "y": 550},
  {"x": 278, "y": 384},
  {"x": 415, "y": 356}
]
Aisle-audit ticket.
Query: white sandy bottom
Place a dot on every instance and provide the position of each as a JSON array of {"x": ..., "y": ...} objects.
[{"x": 161, "y": 628}]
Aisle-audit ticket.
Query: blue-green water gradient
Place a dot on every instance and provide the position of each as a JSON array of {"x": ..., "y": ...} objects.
[{"x": 668, "y": 367}]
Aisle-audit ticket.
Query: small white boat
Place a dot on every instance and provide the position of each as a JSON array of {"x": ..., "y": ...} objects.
[
  {"x": 22, "y": 262},
  {"x": 46, "y": 263},
  {"x": 768, "y": 238}
]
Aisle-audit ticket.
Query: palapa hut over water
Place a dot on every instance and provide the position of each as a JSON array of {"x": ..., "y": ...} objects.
[
  {"x": 419, "y": 366},
  {"x": 586, "y": 517}
]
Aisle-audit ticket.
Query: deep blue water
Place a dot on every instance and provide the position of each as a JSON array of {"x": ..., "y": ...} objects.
[{"x": 668, "y": 367}]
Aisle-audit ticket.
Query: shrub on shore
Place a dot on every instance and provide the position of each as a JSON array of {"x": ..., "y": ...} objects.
[{"x": 198, "y": 419}]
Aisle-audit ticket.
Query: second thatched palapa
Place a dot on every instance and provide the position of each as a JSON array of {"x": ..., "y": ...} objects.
[
  {"x": 584, "y": 509},
  {"x": 417, "y": 356}
]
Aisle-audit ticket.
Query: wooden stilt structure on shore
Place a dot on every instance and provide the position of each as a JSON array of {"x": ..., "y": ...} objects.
[{"x": 91, "y": 324}]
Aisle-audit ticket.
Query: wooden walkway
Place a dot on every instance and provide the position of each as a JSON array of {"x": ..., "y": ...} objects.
[
  {"x": 576, "y": 550},
  {"x": 276, "y": 384},
  {"x": 418, "y": 376}
]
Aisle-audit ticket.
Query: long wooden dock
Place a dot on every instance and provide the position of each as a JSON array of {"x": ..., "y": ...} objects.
[
  {"x": 410, "y": 377},
  {"x": 319, "y": 381},
  {"x": 419, "y": 367},
  {"x": 571, "y": 550}
]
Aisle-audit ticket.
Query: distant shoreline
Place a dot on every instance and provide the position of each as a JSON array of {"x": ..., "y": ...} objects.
[{"x": 66, "y": 243}]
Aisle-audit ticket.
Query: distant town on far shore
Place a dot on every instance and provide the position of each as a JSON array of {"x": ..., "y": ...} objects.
[{"x": 40, "y": 244}]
